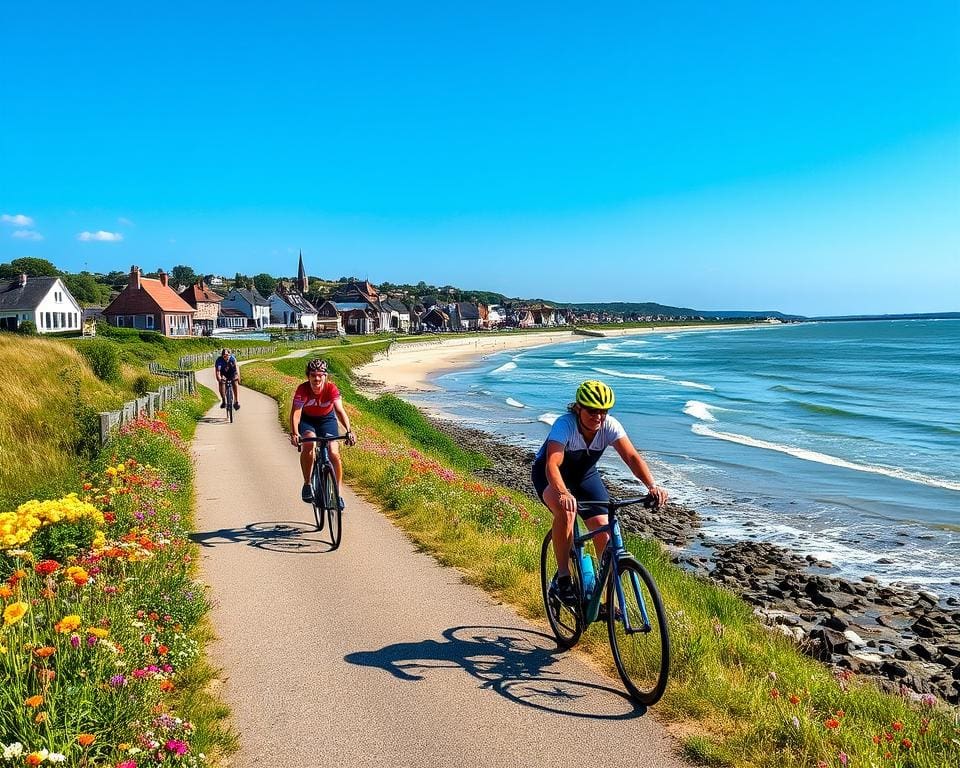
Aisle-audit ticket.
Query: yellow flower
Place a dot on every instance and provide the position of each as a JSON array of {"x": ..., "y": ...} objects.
[
  {"x": 14, "y": 612},
  {"x": 67, "y": 623},
  {"x": 78, "y": 575},
  {"x": 98, "y": 632},
  {"x": 34, "y": 701}
]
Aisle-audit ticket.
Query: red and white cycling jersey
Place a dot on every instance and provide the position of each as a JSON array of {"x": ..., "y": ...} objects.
[{"x": 316, "y": 406}]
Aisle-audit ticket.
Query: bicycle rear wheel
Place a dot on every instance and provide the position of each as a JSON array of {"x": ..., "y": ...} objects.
[
  {"x": 639, "y": 637},
  {"x": 331, "y": 500},
  {"x": 565, "y": 621},
  {"x": 229, "y": 396},
  {"x": 316, "y": 484}
]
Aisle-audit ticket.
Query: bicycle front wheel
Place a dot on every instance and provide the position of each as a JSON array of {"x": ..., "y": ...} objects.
[
  {"x": 639, "y": 637},
  {"x": 331, "y": 500},
  {"x": 565, "y": 621},
  {"x": 319, "y": 509}
]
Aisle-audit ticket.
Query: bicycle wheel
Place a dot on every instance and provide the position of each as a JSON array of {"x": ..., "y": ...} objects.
[
  {"x": 565, "y": 621},
  {"x": 331, "y": 500},
  {"x": 319, "y": 511},
  {"x": 639, "y": 637},
  {"x": 229, "y": 394}
]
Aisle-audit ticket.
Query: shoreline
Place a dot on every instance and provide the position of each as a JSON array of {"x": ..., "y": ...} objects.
[
  {"x": 905, "y": 639},
  {"x": 409, "y": 367}
]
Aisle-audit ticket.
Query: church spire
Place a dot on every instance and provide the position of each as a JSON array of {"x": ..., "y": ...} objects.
[{"x": 302, "y": 282}]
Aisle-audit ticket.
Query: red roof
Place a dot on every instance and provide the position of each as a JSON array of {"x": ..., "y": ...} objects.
[
  {"x": 198, "y": 292},
  {"x": 152, "y": 296}
]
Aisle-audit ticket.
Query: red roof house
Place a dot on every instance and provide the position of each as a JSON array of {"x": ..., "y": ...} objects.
[{"x": 150, "y": 305}]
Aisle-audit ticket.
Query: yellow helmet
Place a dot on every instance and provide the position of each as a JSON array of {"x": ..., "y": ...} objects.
[{"x": 595, "y": 394}]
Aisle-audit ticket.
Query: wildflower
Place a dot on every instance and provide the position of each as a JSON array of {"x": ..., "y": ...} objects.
[
  {"x": 13, "y": 750},
  {"x": 897, "y": 725},
  {"x": 843, "y": 758},
  {"x": 888, "y": 755},
  {"x": 85, "y": 739},
  {"x": 5, "y": 591},
  {"x": 40, "y": 718},
  {"x": 34, "y": 701},
  {"x": 57, "y": 757},
  {"x": 14, "y": 612},
  {"x": 166, "y": 686},
  {"x": 75, "y": 640},
  {"x": 35, "y": 758},
  {"x": 177, "y": 747},
  {"x": 97, "y": 631},
  {"x": 831, "y": 723},
  {"x": 796, "y": 722},
  {"x": 43, "y": 653},
  {"x": 78, "y": 575},
  {"x": 46, "y": 567},
  {"x": 928, "y": 700},
  {"x": 774, "y": 693},
  {"x": 794, "y": 699},
  {"x": 127, "y": 764},
  {"x": 67, "y": 623},
  {"x": 906, "y": 743}
]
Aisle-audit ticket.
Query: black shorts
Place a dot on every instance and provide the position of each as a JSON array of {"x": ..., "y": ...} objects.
[{"x": 590, "y": 487}]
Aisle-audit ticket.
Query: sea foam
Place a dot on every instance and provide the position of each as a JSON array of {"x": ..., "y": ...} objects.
[
  {"x": 654, "y": 377},
  {"x": 514, "y": 403},
  {"x": 699, "y": 410},
  {"x": 548, "y": 418},
  {"x": 505, "y": 367}
]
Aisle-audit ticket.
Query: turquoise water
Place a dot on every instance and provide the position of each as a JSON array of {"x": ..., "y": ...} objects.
[{"x": 834, "y": 439}]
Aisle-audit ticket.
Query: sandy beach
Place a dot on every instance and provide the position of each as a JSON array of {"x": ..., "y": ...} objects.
[{"x": 408, "y": 367}]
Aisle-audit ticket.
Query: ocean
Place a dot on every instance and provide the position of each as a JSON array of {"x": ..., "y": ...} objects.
[{"x": 837, "y": 439}]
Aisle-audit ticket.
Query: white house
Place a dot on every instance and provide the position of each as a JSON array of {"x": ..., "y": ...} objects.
[
  {"x": 44, "y": 301},
  {"x": 290, "y": 308},
  {"x": 249, "y": 303}
]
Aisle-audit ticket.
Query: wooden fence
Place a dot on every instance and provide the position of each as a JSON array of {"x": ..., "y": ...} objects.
[
  {"x": 184, "y": 383},
  {"x": 190, "y": 362}
]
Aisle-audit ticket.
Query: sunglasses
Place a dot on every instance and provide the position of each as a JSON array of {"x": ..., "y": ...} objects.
[{"x": 595, "y": 411}]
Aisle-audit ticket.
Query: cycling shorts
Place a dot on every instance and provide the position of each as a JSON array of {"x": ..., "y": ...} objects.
[
  {"x": 319, "y": 425},
  {"x": 590, "y": 487}
]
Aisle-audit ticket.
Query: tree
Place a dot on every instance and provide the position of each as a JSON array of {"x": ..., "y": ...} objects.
[
  {"x": 183, "y": 275},
  {"x": 30, "y": 266},
  {"x": 264, "y": 283},
  {"x": 86, "y": 289}
]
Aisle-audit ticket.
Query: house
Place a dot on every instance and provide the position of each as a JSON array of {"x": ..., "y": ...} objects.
[
  {"x": 289, "y": 306},
  {"x": 206, "y": 304},
  {"x": 249, "y": 303},
  {"x": 328, "y": 319},
  {"x": 435, "y": 319},
  {"x": 44, "y": 301},
  {"x": 399, "y": 315},
  {"x": 150, "y": 305},
  {"x": 495, "y": 316},
  {"x": 353, "y": 294},
  {"x": 464, "y": 316}
]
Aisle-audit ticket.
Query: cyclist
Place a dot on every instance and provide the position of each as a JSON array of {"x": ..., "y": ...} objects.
[
  {"x": 227, "y": 373},
  {"x": 316, "y": 407},
  {"x": 565, "y": 472}
]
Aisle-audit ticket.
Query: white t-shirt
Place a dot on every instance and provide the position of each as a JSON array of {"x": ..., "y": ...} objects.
[{"x": 565, "y": 432}]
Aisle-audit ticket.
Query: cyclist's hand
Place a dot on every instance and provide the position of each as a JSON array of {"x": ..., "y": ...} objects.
[
  {"x": 568, "y": 502},
  {"x": 351, "y": 438},
  {"x": 295, "y": 440},
  {"x": 658, "y": 496}
]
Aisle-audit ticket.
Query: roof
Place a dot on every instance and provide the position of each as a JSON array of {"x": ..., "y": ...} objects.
[
  {"x": 252, "y": 297},
  {"x": 199, "y": 293},
  {"x": 13, "y": 297},
  {"x": 468, "y": 311},
  {"x": 153, "y": 295},
  {"x": 297, "y": 301},
  {"x": 231, "y": 312},
  {"x": 395, "y": 304}
]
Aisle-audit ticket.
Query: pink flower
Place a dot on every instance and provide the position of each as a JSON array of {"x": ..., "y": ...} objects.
[
  {"x": 177, "y": 747},
  {"x": 843, "y": 758}
]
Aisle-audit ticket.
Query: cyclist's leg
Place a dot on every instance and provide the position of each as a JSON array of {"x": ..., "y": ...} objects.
[
  {"x": 223, "y": 395},
  {"x": 236, "y": 392},
  {"x": 591, "y": 488},
  {"x": 307, "y": 450},
  {"x": 562, "y": 530}
]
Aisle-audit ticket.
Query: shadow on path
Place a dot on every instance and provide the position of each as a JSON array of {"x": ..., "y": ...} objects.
[
  {"x": 293, "y": 537},
  {"x": 512, "y": 661}
]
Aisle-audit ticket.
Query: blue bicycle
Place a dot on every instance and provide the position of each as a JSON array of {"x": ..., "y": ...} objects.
[
  {"x": 633, "y": 609},
  {"x": 323, "y": 481}
]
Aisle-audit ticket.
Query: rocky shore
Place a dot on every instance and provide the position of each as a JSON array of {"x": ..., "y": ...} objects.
[{"x": 907, "y": 640}]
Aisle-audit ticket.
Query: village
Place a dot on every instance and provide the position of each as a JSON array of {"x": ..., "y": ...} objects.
[{"x": 209, "y": 307}]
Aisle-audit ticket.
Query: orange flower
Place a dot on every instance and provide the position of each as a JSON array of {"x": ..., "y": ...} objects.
[
  {"x": 162, "y": 650},
  {"x": 85, "y": 739},
  {"x": 166, "y": 686},
  {"x": 794, "y": 699},
  {"x": 40, "y": 718},
  {"x": 774, "y": 693},
  {"x": 831, "y": 723},
  {"x": 34, "y": 758},
  {"x": 906, "y": 743},
  {"x": 5, "y": 591},
  {"x": 78, "y": 575},
  {"x": 46, "y": 674},
  {"x": 897, "y": 725},
  {"x": 44, "y": 652},
  {"x": 67, "y": 623},
  {"x": 34, "y": 701}
]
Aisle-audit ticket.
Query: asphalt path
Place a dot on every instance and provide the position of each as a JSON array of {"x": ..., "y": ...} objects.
[{"x": 374, "y": 654}]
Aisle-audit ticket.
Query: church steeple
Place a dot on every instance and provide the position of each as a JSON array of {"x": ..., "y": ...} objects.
[{"x": 302, "y": 282}]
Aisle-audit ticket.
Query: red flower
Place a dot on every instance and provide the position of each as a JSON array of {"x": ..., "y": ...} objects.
[
  {"x": 831, "y": 723},
  {"x": 897, "y": 726},
  {"x": 46, "y": 567},
  {"x": 906, "y": 743}
]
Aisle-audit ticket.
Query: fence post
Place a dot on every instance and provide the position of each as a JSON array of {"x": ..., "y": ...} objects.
[{"x": 104, "y": 428}]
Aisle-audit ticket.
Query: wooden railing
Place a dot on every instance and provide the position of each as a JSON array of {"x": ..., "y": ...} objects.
[
  {"x": 189, "y": 362},
  {"x": 184, "y": 383}
]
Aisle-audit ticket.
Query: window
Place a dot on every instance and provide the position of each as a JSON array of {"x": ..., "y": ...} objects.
[
  {"x": 149, "y": 321},
  {"x": 49, "y": 320},
  {"x": 119, "y": 321}
]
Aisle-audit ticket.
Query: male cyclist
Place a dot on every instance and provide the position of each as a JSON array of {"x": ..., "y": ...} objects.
[
  {"x": 316, "y": 407},
  {"x": 565, "y": 472},
  {"x": 227, "y": 373}
]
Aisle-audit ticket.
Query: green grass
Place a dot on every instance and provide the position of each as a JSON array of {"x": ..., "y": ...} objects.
[{"x": 739, "y": 695}]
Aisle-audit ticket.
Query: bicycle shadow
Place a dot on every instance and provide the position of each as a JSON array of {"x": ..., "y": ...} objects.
[
  {"x": 512, "y": 661},
  {"x": 291, "y": 537}
]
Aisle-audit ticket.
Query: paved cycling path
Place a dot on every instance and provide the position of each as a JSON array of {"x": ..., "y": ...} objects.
[{"x": 374, "y": 655}]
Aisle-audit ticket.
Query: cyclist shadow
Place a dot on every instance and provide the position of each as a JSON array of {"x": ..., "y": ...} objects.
[
  {"x": 289, "y": 536},
  {"x": 512, "y": 661}
]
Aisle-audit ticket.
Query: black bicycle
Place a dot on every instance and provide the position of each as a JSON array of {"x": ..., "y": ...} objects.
[
  {"x": 323, "y": 482},
  {"x": 228, "y": 397},
  {"x": 634, "y": 614}
]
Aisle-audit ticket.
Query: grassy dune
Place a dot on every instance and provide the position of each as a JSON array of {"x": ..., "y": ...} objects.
[{"x": 739, "y": 695}]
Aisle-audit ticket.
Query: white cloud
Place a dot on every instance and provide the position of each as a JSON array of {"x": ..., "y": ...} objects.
[
  {"x": 123, "y": 221},
  {"x": 17, "y": 219},
  {"x": 27, "y": 234},
  {"x": 106, "y": 237}
]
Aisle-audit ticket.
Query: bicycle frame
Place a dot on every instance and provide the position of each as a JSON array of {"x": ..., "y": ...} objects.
[{"x": 609, "y": 561}]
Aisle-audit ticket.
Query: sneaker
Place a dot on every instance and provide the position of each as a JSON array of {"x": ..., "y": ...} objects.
[
  {"x": 223, "y": 403},
  {"x": 236, "y": 406},
  {"x": 602, "y": 613},
  {"x": 306, "y": 493},
  {"x": 341, "y": 504},
  {"x": 562, "y": 589}
]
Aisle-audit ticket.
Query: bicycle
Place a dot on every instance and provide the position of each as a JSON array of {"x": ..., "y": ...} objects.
[
  {"x": 228, "y": 396},
  {"x": 326, "y": 493},
  {"x": 635, "y": 616}
]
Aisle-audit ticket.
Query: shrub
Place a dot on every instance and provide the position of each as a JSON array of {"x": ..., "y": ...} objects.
[
  {"x": 141, "y": 384},
  {"x": 103, "y": 359},
  {"x": 27, "y": 328}
]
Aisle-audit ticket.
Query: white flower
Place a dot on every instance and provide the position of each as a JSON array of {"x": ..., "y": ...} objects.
[
  {"x": 12, "y": 751},
  {"x": 57, "y": 757}
]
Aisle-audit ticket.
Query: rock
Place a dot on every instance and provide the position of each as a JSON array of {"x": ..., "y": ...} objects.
[{"x": 854, "y": 639}]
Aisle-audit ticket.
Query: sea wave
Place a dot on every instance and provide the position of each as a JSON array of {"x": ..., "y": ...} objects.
[
  {"x": 699, "y": 410},
  {"x": 823, "y": 458},
  {"x": 562, "y": 363},
  {"x": 548, "y": 418},
  {"x": 505, "y": 367},
  {"x": 653, "y": 377},
  {"x": 515, "y": 403}
]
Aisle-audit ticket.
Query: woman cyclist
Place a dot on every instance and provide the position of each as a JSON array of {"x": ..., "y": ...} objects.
[
  {"x": 315, "y": 410},
  {"x": 565, "y": 472}
]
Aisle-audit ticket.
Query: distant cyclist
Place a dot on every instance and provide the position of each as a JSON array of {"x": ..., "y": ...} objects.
[
  {"x": 565, "y": 472},
  {"x": 227, "y": 373},
  {"x": 316, "y": 408}
]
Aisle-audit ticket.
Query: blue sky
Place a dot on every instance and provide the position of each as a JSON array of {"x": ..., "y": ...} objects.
[{"x": 754, "y": 156}]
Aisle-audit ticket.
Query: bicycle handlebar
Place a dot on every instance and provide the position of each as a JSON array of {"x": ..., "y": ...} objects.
[
  {"x": 319, "y": 439},
  {"x": 613, "y": 505}
]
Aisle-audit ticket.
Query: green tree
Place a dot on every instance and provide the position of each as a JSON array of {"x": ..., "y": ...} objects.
[
  {"x": 183, "y": 275},
  {"x": 30, "y": 266},
  {"x": 86, "y": 289},
  {"x": 264, "y": 283}
]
